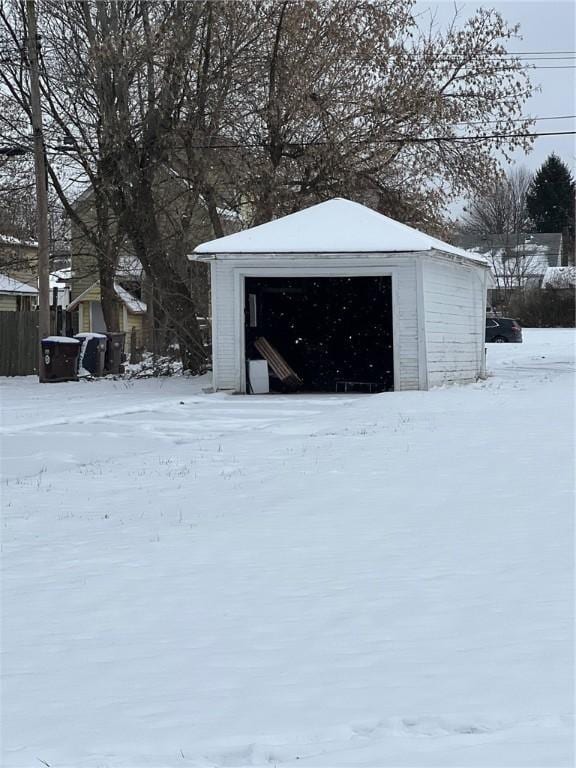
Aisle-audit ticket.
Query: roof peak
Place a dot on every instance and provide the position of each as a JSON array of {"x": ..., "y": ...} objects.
[{"x": 332, "y": 226}]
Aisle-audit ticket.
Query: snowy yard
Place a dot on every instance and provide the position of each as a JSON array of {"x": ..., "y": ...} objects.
[{"x": 211, "y": 580}]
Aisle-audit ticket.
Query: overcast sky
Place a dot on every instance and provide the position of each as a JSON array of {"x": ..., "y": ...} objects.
[{"x": 549, "y": 27}]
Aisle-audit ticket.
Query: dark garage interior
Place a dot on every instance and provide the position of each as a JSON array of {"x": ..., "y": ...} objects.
[{"x": 335, "y": 333}]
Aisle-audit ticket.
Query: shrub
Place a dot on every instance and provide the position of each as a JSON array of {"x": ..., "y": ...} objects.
[{"x": 544, "y": 308}]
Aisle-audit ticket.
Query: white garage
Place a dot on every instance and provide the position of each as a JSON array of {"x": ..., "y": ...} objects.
[{"x": 340, "y": 298}]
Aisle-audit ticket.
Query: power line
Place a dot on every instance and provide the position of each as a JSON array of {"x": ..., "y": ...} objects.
[
  {"x": 553, "y": 117},
  {"x": 515, "y": 120},
  {"x": 393, "y": 140},
  {"x": 535, "y": 53},
  {"x": 488, "y": 56},
  {"x": 508, "y": 68},
  {"x": 566, "y": 66},
  {"x": 520, "y": 54},
  {"x": 528, "y": 56},
  {"x": 486, "y": 136},
  {"x": 523, "y": 119},
  {"x": 20, "y": 149}
]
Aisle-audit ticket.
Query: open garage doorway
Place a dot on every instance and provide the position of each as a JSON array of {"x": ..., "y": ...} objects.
[{"x": 334, "y": 333}]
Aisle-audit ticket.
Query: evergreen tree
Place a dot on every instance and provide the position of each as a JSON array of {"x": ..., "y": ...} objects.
[{"x": 550, "y": 201}]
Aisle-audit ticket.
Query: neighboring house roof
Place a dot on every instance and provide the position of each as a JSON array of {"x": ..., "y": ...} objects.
[
  {"x": 336, "y": 226},
  {"x": 133, "y": 305},
  {"x": 559, "y": 277},
  {"x": 86, "y": 194},
  {"x": 10, "y": 285},
  {"x": 542, "y": 249},
  {"x": 61, "y": 276}
]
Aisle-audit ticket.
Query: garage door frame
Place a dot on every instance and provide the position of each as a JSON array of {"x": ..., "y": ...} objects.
[{"x": 309, "y": 272}]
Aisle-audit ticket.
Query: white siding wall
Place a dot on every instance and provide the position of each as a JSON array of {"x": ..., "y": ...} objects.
[
  {"x": 454, "y": 312},
  {"x": 224, "y": 347},
  {"x": 7, "y": 302},
  {"x": 228, "y": 310},
  {"x": 406, "y": 320}
]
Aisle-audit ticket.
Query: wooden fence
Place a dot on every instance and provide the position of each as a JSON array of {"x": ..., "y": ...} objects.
[{"x": 18, "y": 343}]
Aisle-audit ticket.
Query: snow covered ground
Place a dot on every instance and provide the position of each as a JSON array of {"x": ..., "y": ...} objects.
[{"x": 211, "y": 580}]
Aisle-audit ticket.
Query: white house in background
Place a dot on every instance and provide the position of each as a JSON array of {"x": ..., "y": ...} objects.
[
  {"x": 518, "y": 259},
  {"x": 350, "y": 299},
  {"x": 16, "y": 296}
]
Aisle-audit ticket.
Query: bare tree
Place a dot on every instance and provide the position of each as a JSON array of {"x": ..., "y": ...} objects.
[
  {"x": 257, "y": 109},
  {"x": 514, "y": 268},
  {"x": 355, "y": 98},
  {"x": 502, "y": 209},
  {"x": 113, "y": 85}
]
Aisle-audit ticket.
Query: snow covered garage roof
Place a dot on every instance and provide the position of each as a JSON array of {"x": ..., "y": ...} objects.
[
  {"x": 10, "y": 285},
  {"x": 336, "y": 226}
]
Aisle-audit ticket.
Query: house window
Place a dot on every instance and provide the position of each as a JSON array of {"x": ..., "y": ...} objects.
[{"x": 97, "y": 322}]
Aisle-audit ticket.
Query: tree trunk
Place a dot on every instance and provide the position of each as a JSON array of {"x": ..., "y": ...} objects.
[
  {"x": 171, "y": 291},
  {"x": 149, "y": 325},
  {"x": 107, "y": 262},
  {"x": 108, "y": 297},
  {"x": 180, "y": 309}
]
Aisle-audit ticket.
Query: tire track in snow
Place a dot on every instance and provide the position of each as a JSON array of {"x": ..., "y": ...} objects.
[{"x": 85, "y": 418}]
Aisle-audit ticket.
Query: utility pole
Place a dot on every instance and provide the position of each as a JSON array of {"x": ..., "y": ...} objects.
[{"x": 41, "y": 186}]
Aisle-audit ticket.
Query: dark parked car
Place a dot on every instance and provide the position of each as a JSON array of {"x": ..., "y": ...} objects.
[{"x": 503, "y": 329}]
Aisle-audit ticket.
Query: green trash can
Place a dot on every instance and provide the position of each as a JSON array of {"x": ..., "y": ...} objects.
[
  {"x": 60, "y": 357},
  {"x": 92, "y": 353}
]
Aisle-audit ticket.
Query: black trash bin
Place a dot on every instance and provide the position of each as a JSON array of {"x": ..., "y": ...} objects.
[
  {"x": 60, "y": 355},
  {"x": 92, "y": 353},
  {"x": 114, "y": 352}
]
